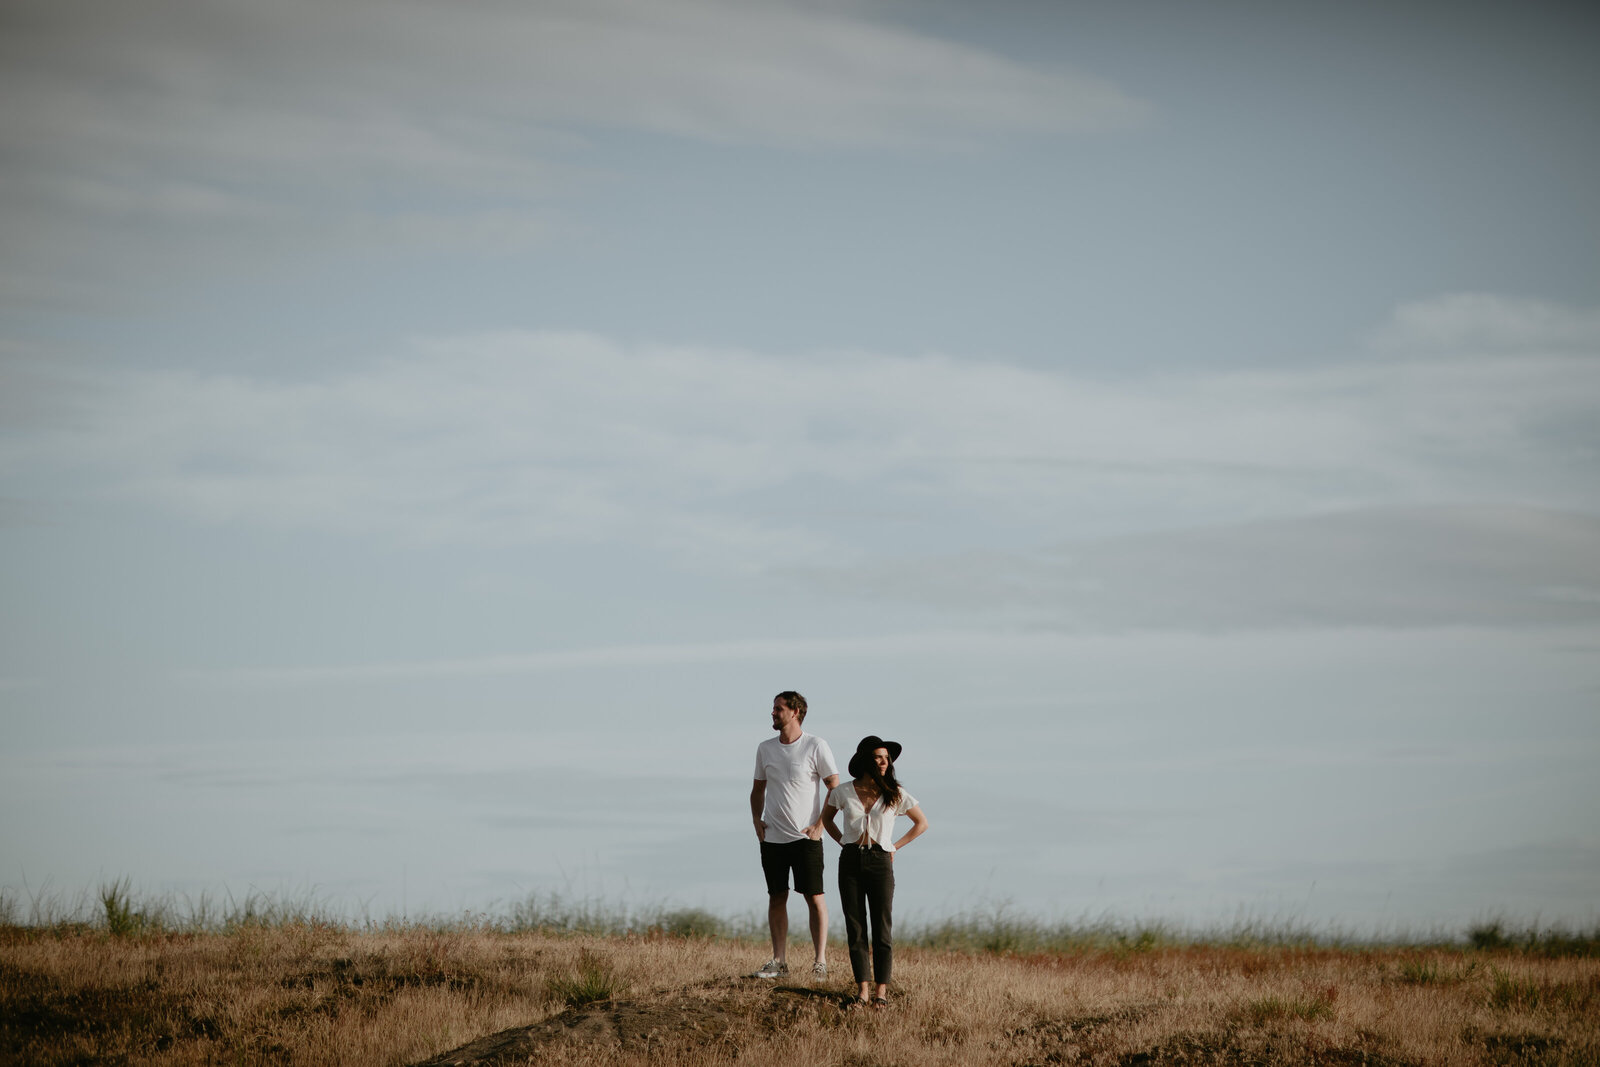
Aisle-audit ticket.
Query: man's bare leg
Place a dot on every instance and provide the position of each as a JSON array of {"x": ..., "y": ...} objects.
[
  {"x": 778, "y": 921},
  {"x": 818, "y": 906}
]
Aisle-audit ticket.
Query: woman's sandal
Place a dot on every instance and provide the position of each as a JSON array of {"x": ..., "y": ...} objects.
[{"x": 880, "y": 1002}]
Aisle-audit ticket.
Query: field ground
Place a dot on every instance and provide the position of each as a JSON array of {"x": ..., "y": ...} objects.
[
  {"x": 120, "y": 981},
  {"x": 307, "y": 991}
]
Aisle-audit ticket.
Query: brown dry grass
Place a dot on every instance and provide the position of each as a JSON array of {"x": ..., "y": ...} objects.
[{"x": 316, "y": 993}]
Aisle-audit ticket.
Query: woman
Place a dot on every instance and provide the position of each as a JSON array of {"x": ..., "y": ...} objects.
[{"x": 866, "y": 868}]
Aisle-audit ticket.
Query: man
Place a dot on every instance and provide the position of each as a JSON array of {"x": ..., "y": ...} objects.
[{"x": 787, "y": 812}]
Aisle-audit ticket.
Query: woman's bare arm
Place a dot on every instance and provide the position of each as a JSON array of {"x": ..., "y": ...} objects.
[
  {"x": 828, "y": 814},
  {"x": 919, "y": 826}
]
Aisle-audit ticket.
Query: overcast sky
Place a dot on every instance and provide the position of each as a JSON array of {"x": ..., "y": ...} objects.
[{"x": 430, "y": 433}]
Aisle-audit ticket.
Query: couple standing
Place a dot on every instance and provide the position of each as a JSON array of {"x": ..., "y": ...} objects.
[{"x": 789, "y": 821}]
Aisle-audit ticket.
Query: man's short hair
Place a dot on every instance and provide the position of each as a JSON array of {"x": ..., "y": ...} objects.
[{"x": 793, "y": 701}]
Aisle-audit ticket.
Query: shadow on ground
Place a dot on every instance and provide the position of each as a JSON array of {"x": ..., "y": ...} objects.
[{"x": 698, "y": 1016}]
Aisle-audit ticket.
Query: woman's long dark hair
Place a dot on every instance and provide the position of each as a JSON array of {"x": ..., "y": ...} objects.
[{"x": 888, "y": 785}]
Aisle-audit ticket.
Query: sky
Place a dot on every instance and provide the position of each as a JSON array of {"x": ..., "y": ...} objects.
[{"x": 431, "y": 433}]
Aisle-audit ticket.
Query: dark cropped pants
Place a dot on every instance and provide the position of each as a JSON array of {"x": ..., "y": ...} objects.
[{"x": 866, "y": 883}]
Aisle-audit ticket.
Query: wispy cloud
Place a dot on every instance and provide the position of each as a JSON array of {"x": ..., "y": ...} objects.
[
  {"x": 734, "y": 458},
  {"x": 713, "y": 69},
  {"x": 1386, "y": 567},
  {"x": 235, "y": 132},
  {"x": 1489, "y": 323}
]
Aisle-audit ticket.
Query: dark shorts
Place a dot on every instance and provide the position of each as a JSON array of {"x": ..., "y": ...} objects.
[{"x": 804, "y": 857}]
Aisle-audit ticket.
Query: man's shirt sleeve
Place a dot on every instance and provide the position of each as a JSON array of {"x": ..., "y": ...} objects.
[
  {"x": 761, "y": 771},
  {"x": 824, "y": 756}
]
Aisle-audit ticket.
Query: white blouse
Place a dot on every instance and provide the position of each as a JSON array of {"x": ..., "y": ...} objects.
[{"x": 877, "y": 824}]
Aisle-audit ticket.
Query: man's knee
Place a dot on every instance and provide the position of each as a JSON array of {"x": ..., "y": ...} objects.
[{"x": 778, "y": 900}]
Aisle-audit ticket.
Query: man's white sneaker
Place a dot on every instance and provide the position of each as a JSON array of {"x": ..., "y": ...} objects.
[{"x": 773, "y": 968}]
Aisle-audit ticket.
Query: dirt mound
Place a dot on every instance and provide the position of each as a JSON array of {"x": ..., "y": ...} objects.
[
  {"x": 620, "y": 1024},
  {"x": 694, "y": 1017}
]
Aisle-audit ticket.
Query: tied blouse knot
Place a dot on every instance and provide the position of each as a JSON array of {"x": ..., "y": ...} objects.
[{"x": 877, "y": 824}]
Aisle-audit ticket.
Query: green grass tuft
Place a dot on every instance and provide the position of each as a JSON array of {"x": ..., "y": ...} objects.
[
  {"x": 124, "y": 917},
  {"x": 1510, "y": 993},
  {"x": 1419, "y": 972},
  {"x": 592, "y": 981}
]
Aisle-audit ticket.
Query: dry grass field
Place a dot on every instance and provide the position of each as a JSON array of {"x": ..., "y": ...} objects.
[{"x": 308, "y": 991}]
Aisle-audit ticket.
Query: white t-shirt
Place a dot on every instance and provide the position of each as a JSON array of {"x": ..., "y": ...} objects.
[
  {"x": 878, "y": 823},
  {"x": 792, "y": 773}
]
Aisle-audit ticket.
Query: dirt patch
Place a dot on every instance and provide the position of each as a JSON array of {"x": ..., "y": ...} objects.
[
  {"x": 692, "y": 1018},
  {"x": 626, "y": 1025}
]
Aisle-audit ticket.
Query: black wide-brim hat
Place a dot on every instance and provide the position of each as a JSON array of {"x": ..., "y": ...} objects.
[{"x": 862, "y": 760}]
